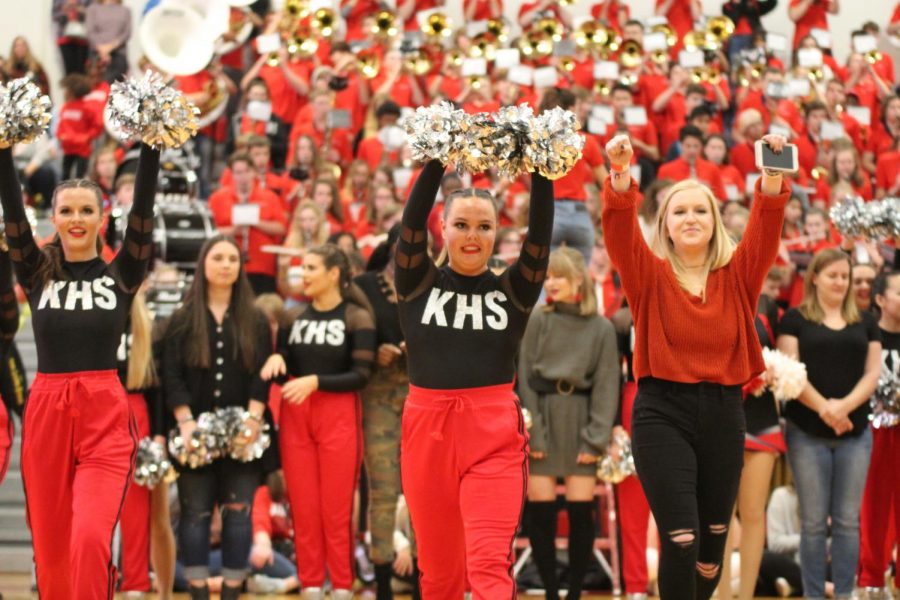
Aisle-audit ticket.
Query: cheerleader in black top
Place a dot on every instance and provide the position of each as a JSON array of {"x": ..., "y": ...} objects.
[
  {"x": 328, "y": 349},
  {"x": 9, "y": 324},
  {"x": 464, "y": 450},
  {"x": 78, "y": 437},
  {"x": 216, "y": 344},
  {"x": 138, "y": 374}
]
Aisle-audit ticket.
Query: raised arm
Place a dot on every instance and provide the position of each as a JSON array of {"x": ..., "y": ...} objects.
[
  {"x": 759, "y": 246},
  {"x": 621, "y": 230},
  {"x": 412, "y": 248},
  {"x": 527, "y": 274},
  {"x": 23, "y": 251},
  {"x": 9, "y": 307},
  {"x": 133, "y": 259}
]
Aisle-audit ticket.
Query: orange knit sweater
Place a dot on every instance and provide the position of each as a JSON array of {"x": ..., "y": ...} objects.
[{"x": 678, "y": 336}]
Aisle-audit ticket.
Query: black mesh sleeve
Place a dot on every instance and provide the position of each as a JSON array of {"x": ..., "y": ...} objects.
[
  {"x": 362, "y": 330},
  {"x": 259, "y": 389},
  {"x": 9, "y": 308},
  {"x": 412, "y": 247},
  {"x": 133, "y": 259},
  {"x": 527, "y": 275},
  {"x": 22, "y": 249}
]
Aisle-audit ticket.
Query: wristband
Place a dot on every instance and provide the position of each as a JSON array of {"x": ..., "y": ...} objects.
[
  {"x": 618, "y": 168},
  {"x": 183, "y": 421}
]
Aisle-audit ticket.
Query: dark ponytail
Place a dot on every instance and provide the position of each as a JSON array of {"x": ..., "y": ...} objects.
[{"x": 334, "y": 257}]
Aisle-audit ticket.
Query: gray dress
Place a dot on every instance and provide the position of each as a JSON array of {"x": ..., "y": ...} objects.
[{"x": 580, "y": 350}]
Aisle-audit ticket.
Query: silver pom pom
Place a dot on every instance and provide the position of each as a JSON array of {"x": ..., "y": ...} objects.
[
  {"x": 435, "y": 132},
  {"x": 205, "y": 445},
  {"x": 557, "y": 142},
  {"x": 152, "y": 464},
  {"x": 237, "y": 435},
  {"x": 886, "y": 402},
  {"x": 152, "y": 111},
  {"x": 615, "y": 471},
  {"x": 514, "y": 141},
  {"x": 879, "y": 219},
  {"x": 24, "y": 112}
]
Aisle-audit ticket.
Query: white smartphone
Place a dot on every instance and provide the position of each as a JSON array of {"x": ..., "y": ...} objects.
[{"x": 785, "y": 161}]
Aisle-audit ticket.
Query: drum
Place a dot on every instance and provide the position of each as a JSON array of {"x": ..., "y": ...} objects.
[
  {"x": 177, "y": 178},
  {"x": 180, "y": 230},
  {"x": 165, "y": 297}
]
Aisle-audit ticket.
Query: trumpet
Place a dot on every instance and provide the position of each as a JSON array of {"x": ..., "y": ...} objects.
[
  {"x": 455, "y": 57},
  {"x": 659, "y": 57},
  {"x": 668, "y": 31},
  {"x": 417, "y": 63},
  {"x": 483, "y": 46},
  {"x": 368, "y": 64},
  {"x": 535, "y": 44},
  {"x": 296, "y": 9},
  {"x": 707, "y": 74},
  {"x": 819, "y": 173},
  {"x": 475, "y": 81},
  {"x": 566, "y": 64},
  {"x": 816, "y": 75},
  {"x": 631, "y": 55},
  {"x": 701, "y": 40},
  {"x": 437, "y": 26},
  {"x": 499, "y": 29},
  {"x": 602, "y": 87},
  {"x": 591, "y": 36},
  {"x": 323, "y": 22},
  {"x": 302, "y": 44},
  {"x": 873, "y": 56},
  {"x": 720, "y": 28},
  {"x": 551, "y": 27},
  {"x": 385, "y": 25}
]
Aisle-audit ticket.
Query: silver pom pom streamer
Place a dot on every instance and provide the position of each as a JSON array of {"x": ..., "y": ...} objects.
[
  {"x": 476, "y": 152},
  {"x": 237, "y": 435},
  {"x": 615, "y": 471},
  {"x": 886, "y": 402},
  {"x": 515, "y": 141},
  {"x": 558, "y": 145},
  {"x": 152, "y": 111},
  {"x": 205, "y": 445},
  {"x": 152, "y": 464},
  {"x": 24, "y": 112},
  {"x": 879, "y": 219},
  {"x": 435, "y": 132}
]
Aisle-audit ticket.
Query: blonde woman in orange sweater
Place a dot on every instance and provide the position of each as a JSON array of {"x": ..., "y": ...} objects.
[{"x": 693, "y": 296}]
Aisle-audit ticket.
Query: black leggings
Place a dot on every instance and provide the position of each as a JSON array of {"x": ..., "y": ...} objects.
[{"x": 689, "y": 449}]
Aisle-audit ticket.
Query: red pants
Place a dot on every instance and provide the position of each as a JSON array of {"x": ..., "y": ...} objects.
[
  {"x": 464, "y": 466},
  {"x": 7, "y": 432},
  {"x": 881, "y": 501},
  {"x": 78, "y": 447},
  {"x": 634, "y": 514},
  {"x": 321, "y": 453},
  {"x": 135, "y": 523}
]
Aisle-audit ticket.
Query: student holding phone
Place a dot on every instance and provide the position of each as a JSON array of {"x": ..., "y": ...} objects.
[{"x": 688, "y": 422}]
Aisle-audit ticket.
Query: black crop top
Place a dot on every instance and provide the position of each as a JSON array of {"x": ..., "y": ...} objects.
[
  {"x": 463, "y": 331},
  {"x": 78, "y": 321}
]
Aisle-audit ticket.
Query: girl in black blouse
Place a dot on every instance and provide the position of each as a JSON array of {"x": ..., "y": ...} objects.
[
  {"x": 828, "y": 438},
  {"x": 78, "y": 439},
  {"x": 215, "y": 346},
  {"x": 464, "y": 458},
  {"x": 328, "y": 349}
]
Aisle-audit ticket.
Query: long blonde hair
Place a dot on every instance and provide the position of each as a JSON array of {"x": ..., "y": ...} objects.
[
  {"x": 569, "y": 263},
  {"x": 809, "y": 307},
  {"x": 141, "y": 368},
  {"x": 721, "y": 246},
  {"x": 294, "y": 238}
]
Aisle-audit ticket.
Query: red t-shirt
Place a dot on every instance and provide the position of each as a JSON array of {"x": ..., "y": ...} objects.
[
  {"x": 401, "y": 91},
  {"x": 355, "y": 18},
  {"x": 896, "y": 16},
  {"x": 680, "y": 18},
  {"x": 96, "y": 100},
  {"x": 571, "y": 185},
  {"x": 412, "y": 24},
  {"x": 609, "y": 10},
  {"x": 807, "y": 151},
  {"x": 743, "y": 157},
  {"x": 482, "y": 9},
  {"x": 814, "y": 18},
  {"x": 339, "y": 140},
  {"x": 887, "y": 170},
  {"x": 733, "y": 181},
  {"x": 285, "y": 100},
  {"x": 786, "y": 110},
  {"x": 450, "y": 86},
  {"x": 480, "y": 106},
  {"x": 881, "y": 140},
  {"x": 270, "y": 209},
  {"x": 707, "y": 173}
]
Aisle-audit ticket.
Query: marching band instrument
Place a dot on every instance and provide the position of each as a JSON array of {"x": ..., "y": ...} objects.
[
  {"x": 323, "y": 22},
  {"x": 437, "y": 26},
  {"x": 535, "y": 44},
  {"x": 417, "y": 63},
  {"x": 484, "y": 46},
  {"x": 240, "y": 26},
  {"x": 368, "y": 64},
  {"x": 499, "y": 29},
  {"x": 668, "y": 31},
  {"x": 385, "y": 25},
  {"x": 720, "y": 28},
  {"x": 631, "y": 55},
  {"x": 551, "y": 27},
  {"x": 174, "y": 39}
]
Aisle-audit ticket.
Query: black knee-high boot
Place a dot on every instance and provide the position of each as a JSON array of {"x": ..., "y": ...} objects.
[
  {"x": 383, "y": 576},
  {"x": 581, "y": 544},
  {"x": 416, "y": 594},
  {"x": 198, "y": 593},
  {"x": 230, "y": 593},
  {"x": 543, "y": 544}
]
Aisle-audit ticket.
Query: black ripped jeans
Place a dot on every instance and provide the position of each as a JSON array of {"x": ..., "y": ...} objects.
[
  {"x": 230, "y": 485},
  {"x": 688, "y": 444}
]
